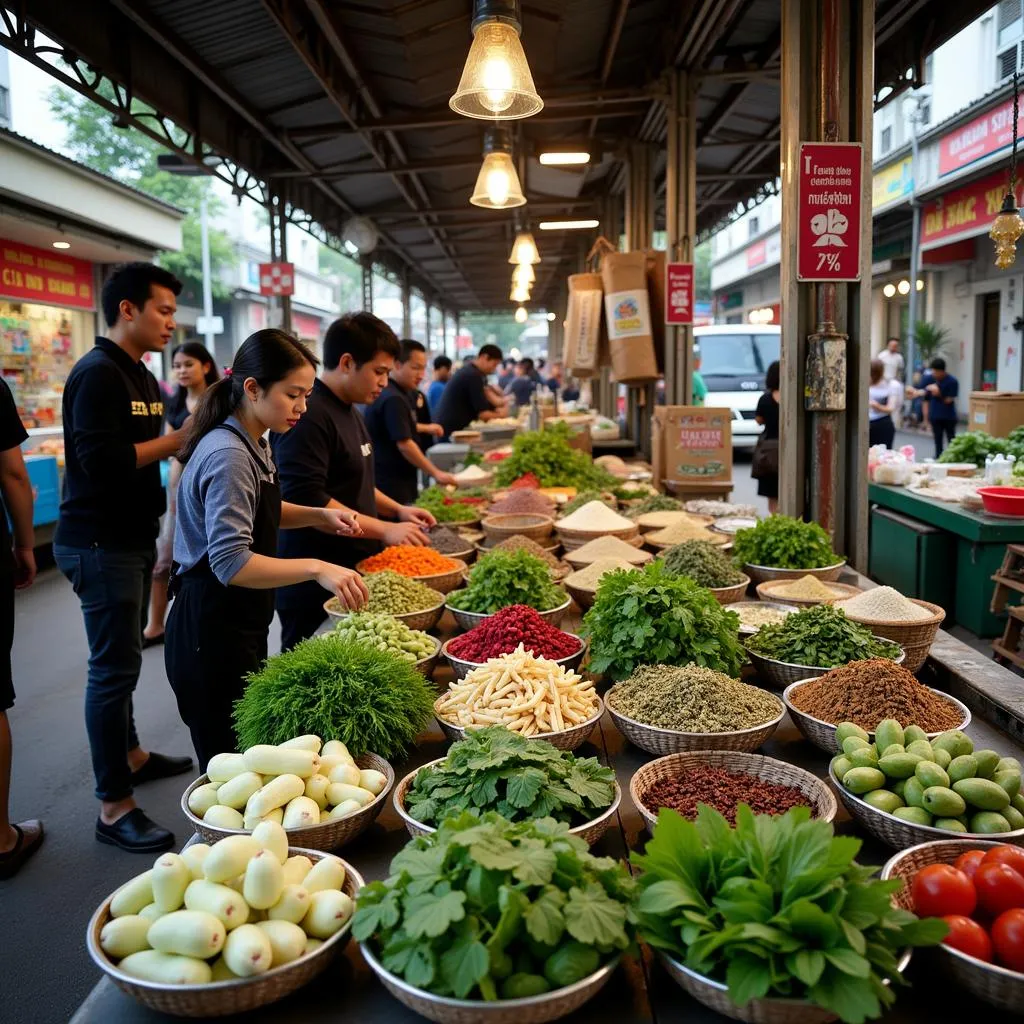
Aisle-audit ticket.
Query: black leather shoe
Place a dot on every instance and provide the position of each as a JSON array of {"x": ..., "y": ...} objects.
[
  {"x": 136, "y": 833},
  {"x": 160, "y": 766}
]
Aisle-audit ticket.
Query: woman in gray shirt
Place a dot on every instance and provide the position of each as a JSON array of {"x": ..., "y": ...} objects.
[{"x": 229, "y": 511}]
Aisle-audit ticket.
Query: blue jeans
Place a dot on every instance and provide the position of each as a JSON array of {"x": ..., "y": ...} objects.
[{"x": 113, "y": 587}]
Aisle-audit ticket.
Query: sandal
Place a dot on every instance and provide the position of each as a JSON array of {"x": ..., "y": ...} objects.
[{"x": 30, "y": 835}]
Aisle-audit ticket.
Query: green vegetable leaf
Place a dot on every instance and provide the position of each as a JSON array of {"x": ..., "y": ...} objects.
[
  {"x": 373, "y": 917},
  {"x": 665, "y": 896},
  {"x": 464, "y": 965},
  {"x": 537, "y": 863},
  {"x": 806, "y": 965},
  {"x": 593, "y": 917},
  {"x": 848, "y": 962},
  {"x": 748, "y": 977},
  {"x": 852, "y": 999},
  {"x": 522, "y": 788},
  {"x": 544, "y": 918},
  {"x": 422, "y": 967},
  {"x": 431, "y": 915}
]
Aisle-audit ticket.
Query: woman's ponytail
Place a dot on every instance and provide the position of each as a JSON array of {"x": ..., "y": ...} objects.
[{"x": 215, "y": 405}]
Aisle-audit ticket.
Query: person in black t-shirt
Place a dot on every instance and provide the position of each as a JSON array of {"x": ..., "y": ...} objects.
[
  {"x": 17, "y": 571},
  {"x": 466, "y": 396},
  {"x": 195, "y": 371},
  {"x": 768, "y": 416},
  {"x": 524, "y": 385},
  {"x": 392, "y": 424},
  {"x": 326, "y": 460},
  {"x": 109, "y": 517}
]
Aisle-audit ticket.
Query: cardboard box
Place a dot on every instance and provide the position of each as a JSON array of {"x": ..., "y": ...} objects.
[
  {"x": 995, "y": 412},
  {"x": 692, "y": 444}
]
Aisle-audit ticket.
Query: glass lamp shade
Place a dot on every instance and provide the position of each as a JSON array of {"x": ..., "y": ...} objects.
[
  {"x": 497, "y": 184},
  {"x": 520, "y": 293},
  {"x": 524, "y": 274},
  {"x": 496, "y": 83},
  {"x": 521, "y": 314},
  {"x": 1005, "y": 230},
  {"x": 524, "y": 249}
]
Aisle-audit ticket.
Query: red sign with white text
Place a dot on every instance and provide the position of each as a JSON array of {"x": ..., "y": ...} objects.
[
  {"x": 829, "y": 211},
  {"x": 679, "y": 293},
  {"x": 38, "y": 275},
  {"x": 277, "y": 279},
  {"x": 757, "y": 254},
  {"x": 964, "y": 212},
  {"x": 982, "y": 137}
]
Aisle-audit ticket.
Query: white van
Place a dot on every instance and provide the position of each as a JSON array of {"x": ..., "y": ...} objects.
[{"x": 734, "y": 358}]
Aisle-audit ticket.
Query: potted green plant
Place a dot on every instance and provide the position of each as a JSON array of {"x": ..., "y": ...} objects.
[{"x": 929, "y": 340}]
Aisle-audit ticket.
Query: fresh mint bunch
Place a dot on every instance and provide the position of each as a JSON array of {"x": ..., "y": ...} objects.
[{"x": 784, "y": 543}]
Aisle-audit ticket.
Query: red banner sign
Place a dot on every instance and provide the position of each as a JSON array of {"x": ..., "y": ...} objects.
[
  {"x": 963, "y": 212},
  {"x": 757, "y": 254},
  {"x": 277, "y": 279},
  {"x": 38, "y": 275},
  {"x": 679, "y": 293},
  {"x": 985, "y": 135},
  {"x": 829, "y": 211}
]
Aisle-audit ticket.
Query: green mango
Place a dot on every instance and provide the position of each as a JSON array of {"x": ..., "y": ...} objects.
[
  {"x": 949, "y": 824},
  {"x": 963, "y": 767},
  {"x": 845, "y": 729},
  {"x": 955, "y": 742},
  {"x": 987, "y": 823},
  {"x": 1009, "y": 780},
  {"x": 913, "y": 792},
  {"x": 915, "y": 815},
  {"x": 899, "y": 766},
  {"x": 943, "y": 758},
  {"x": 987, "y": 761},
  {"x": 898, "y": 787},
  {"x": 883, "y": 799},
  {"x": 928, "y": 773},
  {"x": 864, "y": 757},
  {"x": 889, "y": 732},
  {"x": 1008, "y": 764},
  {"x": 1013, "y": 816},
  {"x": 1018, "y": 802},
  {"x": 852, "y": 743},
  {"x": 912, "y": 733},
  {"x": 982, "y": 794},
  {"x": 893, "y": 748},
  {"x": 922, "y": 748},
  {"x": 943, "y": 802},
  {"x": 863, "y": 780},
  {"x": 840, "y": 765}
]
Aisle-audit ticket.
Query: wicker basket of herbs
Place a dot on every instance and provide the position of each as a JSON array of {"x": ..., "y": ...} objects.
[{"x": 707, "y": 565}]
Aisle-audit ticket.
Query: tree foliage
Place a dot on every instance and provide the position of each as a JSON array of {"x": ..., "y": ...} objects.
[{"x": 130, "y": 157}]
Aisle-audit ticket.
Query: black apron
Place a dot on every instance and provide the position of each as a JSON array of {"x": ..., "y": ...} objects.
[{"x": 217, "y": 635}]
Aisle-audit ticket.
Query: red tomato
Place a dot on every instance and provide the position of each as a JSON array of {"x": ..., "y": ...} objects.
[
  {"x": 940, "y": 889},
  {"x": 968, "y": 936},
  {"x": 968, "y": 862},
  {"x": 999, "y": 887},
  {"x": 1012, "y": 855},
  {"x": 1008, "y": 939}
]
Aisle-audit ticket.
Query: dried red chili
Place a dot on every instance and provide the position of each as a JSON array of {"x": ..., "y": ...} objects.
[
  {"x": 722, "y": 790},
  {"x": 506, "y": 630}
]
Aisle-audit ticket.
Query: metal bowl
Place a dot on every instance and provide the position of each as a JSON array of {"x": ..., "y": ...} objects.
[
  {"x": 531, "y": 1010},
  {"x": 764, "y": 573},
  {"x": 220, "y": 998},
  {"x": 461, "y": 668},
  {"x": 469, "y": 620},
  {"x": 782, "y": 673},
  {"x": 777, "y": 605}
]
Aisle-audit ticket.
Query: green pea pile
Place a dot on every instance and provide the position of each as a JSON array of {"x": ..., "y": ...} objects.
[
  {"x": 386, "y": 633},
  {"x": 395, "y": 594}
]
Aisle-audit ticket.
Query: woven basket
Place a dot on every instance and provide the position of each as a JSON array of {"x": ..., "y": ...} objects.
[
  {"x": 730, "y": 595},
  {"x": 578, "y": 537},
  {"x": 589, "y": 831},
  {"x": 549, "y": 544},
  {"x": 442, "y": 582},
  {"x": 331, "y": 835},
  {"x": 751, "y": 630},
  {"x": 422, "y": 620},
  {"x": 522, "y": 524},
  {"x": 647, "y": 522},
  {"x": 781, "y": 673},
  {"x": 583, "y": 596},
  {"x": 823, "y": 734},
  {"x": 720, "y": 540},
  {"x": 220, "y": 998},
  {"x": 823, "y": 803},
  {"x": 715, "y": 996},
  {"x": 764, "y": 573},
  {"x": 916, "y": 638},
  {"x": 671, "y": 741},
  {"x": 997, "y": 986},
  {"x": 480, "y": 481},
  {"x": 532, "y": 1010},
  {"x": 568, "y": 739},
  {"x": 469, "y": 620},
  {"x": 900, "y": 834},
  {"x": 844, "y": 591},
  {"x": 461, "y": 668},
  {"x": 427, "y": 665},
  {"x": 639, "y": 557}
]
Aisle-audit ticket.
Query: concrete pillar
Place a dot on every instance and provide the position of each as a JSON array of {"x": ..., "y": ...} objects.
[
  {"x": 406, "y": 305},
  {"x": 827, "y": 95},
  {"x": 286, "y": 300}
]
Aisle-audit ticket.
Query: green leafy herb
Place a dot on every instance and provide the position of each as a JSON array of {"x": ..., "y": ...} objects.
[
  {"x": 339, "y": 689},
  {"x": 704, "y": 563},
  {"x": 776, "y": 907},
  {"x": 494, "y": 769},
  {"x": 480, "y": 898},
  {"x": 822, "y": 637},
  {"x": 446, "y": 509},
  {"x": 656, "y": 503},
  {"x": 974, "y": 445},
  {"x": 548, "y": 455},
  {"x": 784, "y": 543},
  {"x": 502, "y": 578},
  {"x": 628, "y": 492},
  {"x": 651, "y": 616}
]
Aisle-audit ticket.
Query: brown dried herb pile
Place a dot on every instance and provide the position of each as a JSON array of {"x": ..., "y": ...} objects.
[
  {"x": 518, "y": 542},
  {"x": 523, "y": 501},
  {"x": 865, "y": 692}
]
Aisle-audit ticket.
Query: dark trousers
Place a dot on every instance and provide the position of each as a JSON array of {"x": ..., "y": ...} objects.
[
  {"x": 301, "y": 621},
  {"x": 942, "y": 429},
  {"x": 113, "y": 588},
  {"x": 882, "y": 431}
]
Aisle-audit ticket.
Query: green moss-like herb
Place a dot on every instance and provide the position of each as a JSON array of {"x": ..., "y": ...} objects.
[
  {"x": 371, "y": 700},
  {"x": 784, "y": 543},
  {"x": 704, "y": 563}
]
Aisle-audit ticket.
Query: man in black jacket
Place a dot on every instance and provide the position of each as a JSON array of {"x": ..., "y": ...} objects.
[{"x": 105, "y": 541}]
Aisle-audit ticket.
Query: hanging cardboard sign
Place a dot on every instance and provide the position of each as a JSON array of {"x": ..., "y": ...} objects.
[
  {"x": 829, "y": 211},
  {"x": 679, "y": 294},
  {"x": 583, "y": 325},
  {"x": 692, "y": 444}
]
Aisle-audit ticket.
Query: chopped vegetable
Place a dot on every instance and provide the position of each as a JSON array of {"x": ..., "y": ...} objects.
[{"x": 410, "y": 561}]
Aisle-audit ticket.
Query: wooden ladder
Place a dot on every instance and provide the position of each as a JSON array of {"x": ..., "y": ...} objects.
[{"x": 1009, "y": 580}]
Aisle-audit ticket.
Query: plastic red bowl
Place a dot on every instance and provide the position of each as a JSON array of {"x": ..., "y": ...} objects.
[{"x": 1003, "y": 501}]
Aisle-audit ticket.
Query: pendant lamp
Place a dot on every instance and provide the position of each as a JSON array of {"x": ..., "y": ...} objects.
[
  {"x": 1008, "y": 226},
  {"x": 497, "y": 184},
  {"x": 524, "y": 274},
  {"x": 521, "y": 314},
  {"x": 524, "y": 249}
]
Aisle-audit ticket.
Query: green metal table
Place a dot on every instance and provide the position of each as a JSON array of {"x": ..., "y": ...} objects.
[{"x": 940, "y": 552}]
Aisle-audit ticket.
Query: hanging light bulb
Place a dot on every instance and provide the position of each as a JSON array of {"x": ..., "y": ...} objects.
[
  {"x": 521, "y": 314},
  {"x": 524, "y": 274},
  {"x": 903, "y": 287},
  {"x": 524, "y": 249},
  {"x": 520, "y": 293},
  {"x": 496, "y": 82},
  {"x": 497, "y": 184},
  {"x": 1008, "y": 225},
  {"x": 889, "y": 290}
]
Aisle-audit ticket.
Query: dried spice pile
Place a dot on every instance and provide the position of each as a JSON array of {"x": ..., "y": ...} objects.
[
  {"x": 722, "y": 790},
  {"x": 523, "y": 501},
  {"x": 692, "y": 699},
  {"x": 517, "y": 542},
  {"x": 704, "y": 563},
  {"x": 506, "y": 630},
  {"x": 447, "y": 541},
  {"x": 806, "y": 588},
  {"x": 866, "y": 692},
  {"x": 409, "y": 561}
]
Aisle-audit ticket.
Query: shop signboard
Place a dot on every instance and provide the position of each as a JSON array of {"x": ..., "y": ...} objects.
[
  {"x": 892, "y": 182},
  {"x": 679, "y": 293},
  {"x": 980, "y": 137},
  {"x": 964, "y": 212},
  {"x": 49, "y": 278},
  {"x": 828, "y": 211},
  {"x": 757, "y": 254},
  {"x": 277, "y": 278}
]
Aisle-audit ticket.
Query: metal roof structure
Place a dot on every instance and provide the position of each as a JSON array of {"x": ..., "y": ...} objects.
[{"x": 341, "y": 108}]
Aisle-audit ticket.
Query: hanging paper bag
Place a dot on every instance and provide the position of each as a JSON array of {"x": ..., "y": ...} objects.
[
  {"x": 627, "y": 310},
  {"x": 584, "y": 325}
]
